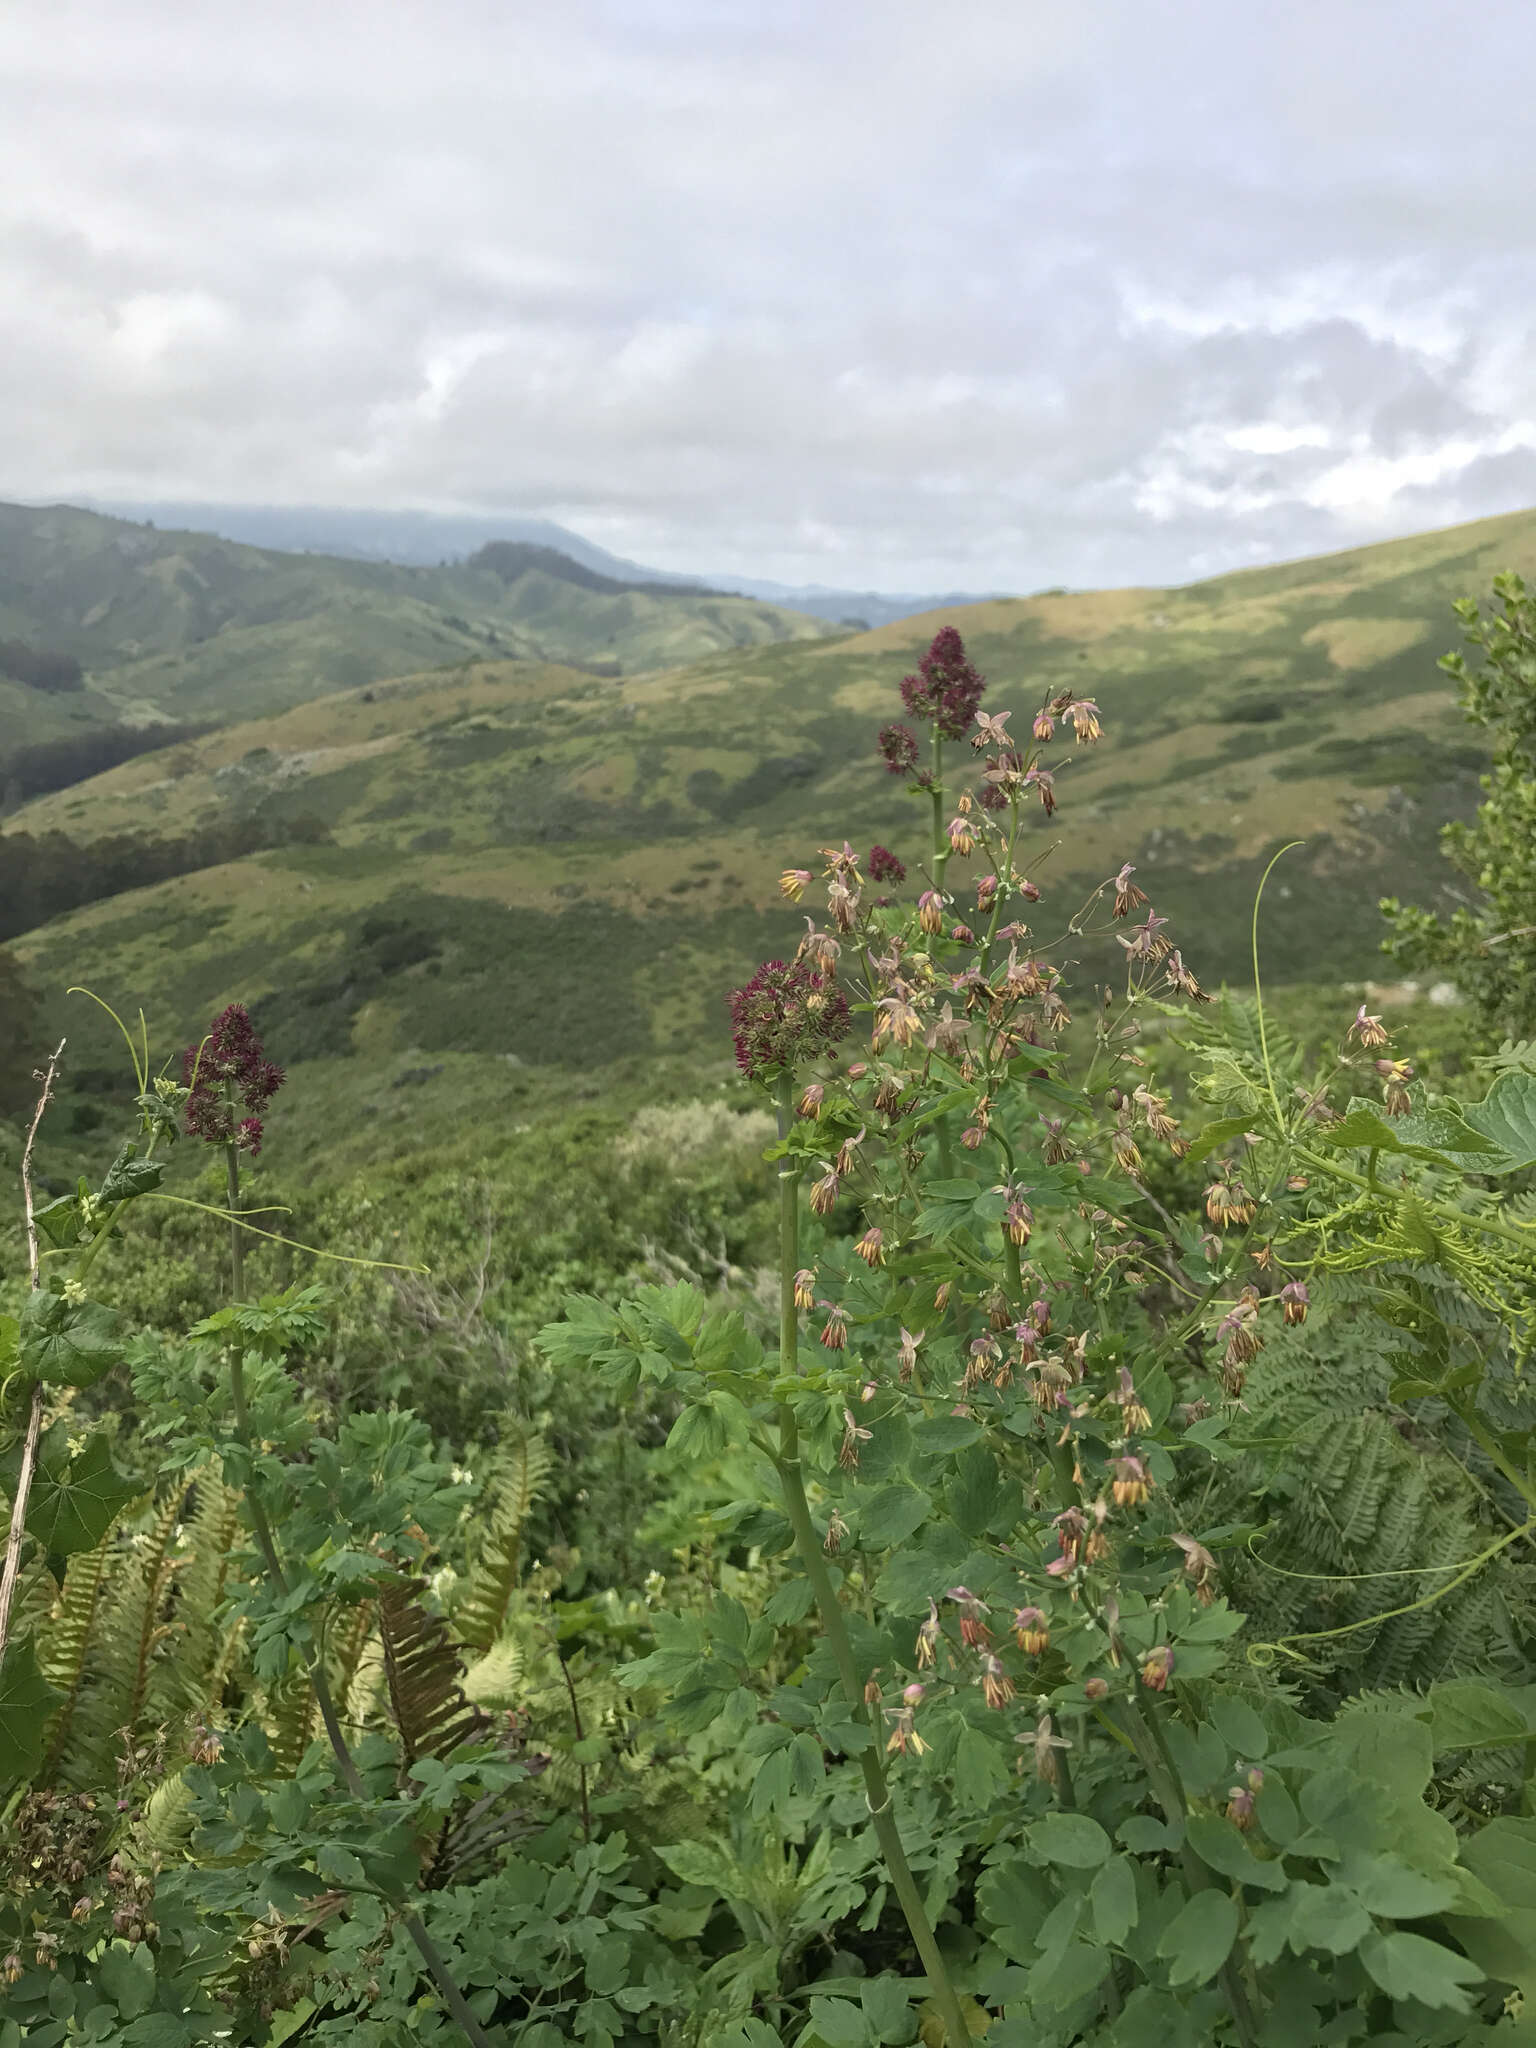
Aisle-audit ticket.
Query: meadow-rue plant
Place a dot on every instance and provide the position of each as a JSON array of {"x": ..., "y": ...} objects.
[{"x": 984, "y": 1466}]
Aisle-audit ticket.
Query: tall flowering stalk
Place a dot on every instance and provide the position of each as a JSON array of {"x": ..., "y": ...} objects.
[
  {"x": 963, "y": 1004},
  {"x": 782, "y": 1017}
]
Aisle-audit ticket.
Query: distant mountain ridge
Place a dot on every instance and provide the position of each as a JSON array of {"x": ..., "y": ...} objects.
[
  {"x": 432, "y": 539},
  {"x": 170, "y": 624}
]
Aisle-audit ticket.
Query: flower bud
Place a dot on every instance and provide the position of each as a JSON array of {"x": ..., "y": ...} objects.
[
  {"x": 1157, "y": 1668},
  {"x": 871, "y": 1247}
]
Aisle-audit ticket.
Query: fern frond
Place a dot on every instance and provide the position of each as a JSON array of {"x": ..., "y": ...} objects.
[
  {"x": 288, "y": 1715},
  {"x": 348, "y": 1641},
  {"x": 131, "y": 1625},
  {"x": 494, "y": 1680},
  {"x": 189, "y": 1680},
  {"x": 165, "y": 1828},
  {"x": 64, "y": 1644},
  {"x": 421, "y": 1666},
  {"x": 522, "y": 1466}
]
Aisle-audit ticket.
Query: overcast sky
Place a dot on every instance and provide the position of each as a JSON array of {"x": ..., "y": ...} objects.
[{"x": 912, "y": 294}]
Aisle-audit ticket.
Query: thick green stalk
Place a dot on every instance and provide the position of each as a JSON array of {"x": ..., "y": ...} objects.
[
  {"x": 1147, "y": 1739},
  {"x": 877, "y": 1794},
  {"x": 789, "y": 1236},
  {"x": 936, "y": 792},
  {"x": 813, "y": 1559},
  {"x": 431, "y": 1955}
]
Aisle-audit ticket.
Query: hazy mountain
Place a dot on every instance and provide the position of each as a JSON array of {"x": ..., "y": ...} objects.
[
  {"x": 106, "y": 622},
  {"x": 426, "y": 539}
]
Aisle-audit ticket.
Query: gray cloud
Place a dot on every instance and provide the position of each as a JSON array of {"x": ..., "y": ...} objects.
[{"x": 909, "y": 294}]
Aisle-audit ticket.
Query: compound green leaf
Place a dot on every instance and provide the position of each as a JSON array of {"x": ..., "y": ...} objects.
[
  {"x": 1239, "y": 1726},
  {"x": 1199, "y": 1938},
  {"x": 887, "y": 2004},
  {"x": 891, "y": 1515},
  {"x": 1506, "y": 1118},
  {"x": 1061, "y": 1980},
  {"x": 1073, "y": 1839},
  {"x": 1466, "y": 1713},
  {"x": 1328, "y": 1917},
  {"x": 1408, "y": 1966},
  {"x": 127, "y": 1975},
  {"x": 1221, "y": 1132},
  {"x": 1503, "y": 1856},
  {"x": 1112, "y": 1897},
  {"x": 1393, "y": 1890},
  {"x": 1220, "y": 1844}
]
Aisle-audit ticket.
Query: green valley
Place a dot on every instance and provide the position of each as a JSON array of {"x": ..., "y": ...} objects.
[{"x": 496, "y": 848}]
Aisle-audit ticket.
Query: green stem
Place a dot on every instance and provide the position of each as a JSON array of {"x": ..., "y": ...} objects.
[
  {"x": 1151, "y": 1746},
  {"x": 789, "y": 1236},
  {"x": 426, "y": 1947},
  {"x": 877, "y": 1795},
  {"x": 814, "y": 1562},
  {"x": 1467, "y": 1218},
  {"x": 1473, "y": 1424},
  {"x": 936, "y": 792}
]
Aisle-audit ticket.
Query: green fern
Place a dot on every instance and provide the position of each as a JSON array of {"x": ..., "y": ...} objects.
[
  {"x": 1366, "y": 1518},
  {"x": 64, "y": 1644},
  {"x": 288, "y": 1715},
  {"x": 522, "y": 1466},
  {"x": 422, "y": 1670},
  {"x": 110, "y": 1703},
  {"x": 191, "y": 1680}
]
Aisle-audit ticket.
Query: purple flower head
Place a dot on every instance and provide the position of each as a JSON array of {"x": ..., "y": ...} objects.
[
  {"x": 898, "y": 748},
  {"x": 785, "y": 1016},
  {"x": 946, "y": 689},
  {"x": 884, "y": 866},
  {"x": 227, "y": 1073}
]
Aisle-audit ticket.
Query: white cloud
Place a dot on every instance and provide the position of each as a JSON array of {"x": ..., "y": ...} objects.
[{"x": 900, "y": 293}]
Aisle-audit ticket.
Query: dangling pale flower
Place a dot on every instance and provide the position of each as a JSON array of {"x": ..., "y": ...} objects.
[{"x": 853, "y": 1436}]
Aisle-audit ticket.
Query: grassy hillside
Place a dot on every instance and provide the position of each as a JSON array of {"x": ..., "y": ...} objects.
[
  {"x": 537, "y": 872},
  {"x": 189, "y": 627}
]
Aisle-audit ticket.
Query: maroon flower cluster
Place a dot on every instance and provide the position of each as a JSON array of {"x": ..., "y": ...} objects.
[
  {"x": 229, "y": 1072},
  {"x": 898, "y": 748},
  {"x": 884, "y": 866},
  {"x": 785, "y": 1016},
  {"x": 946, "y": 689}
]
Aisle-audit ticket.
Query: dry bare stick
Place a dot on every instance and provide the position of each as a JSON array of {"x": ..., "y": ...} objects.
[{"x": 35, "y": 1417}]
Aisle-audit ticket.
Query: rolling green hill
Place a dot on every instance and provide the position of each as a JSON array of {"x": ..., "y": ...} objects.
[
  {"x": 535, "y": 872},
  {"x": 184, "y": 626}
]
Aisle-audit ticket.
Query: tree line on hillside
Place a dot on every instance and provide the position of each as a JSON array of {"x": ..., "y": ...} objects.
[
  {"x": 43, "y": 876},
  {"x": 47, "y": 765},
  {"x": 39, "y": 668}
]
